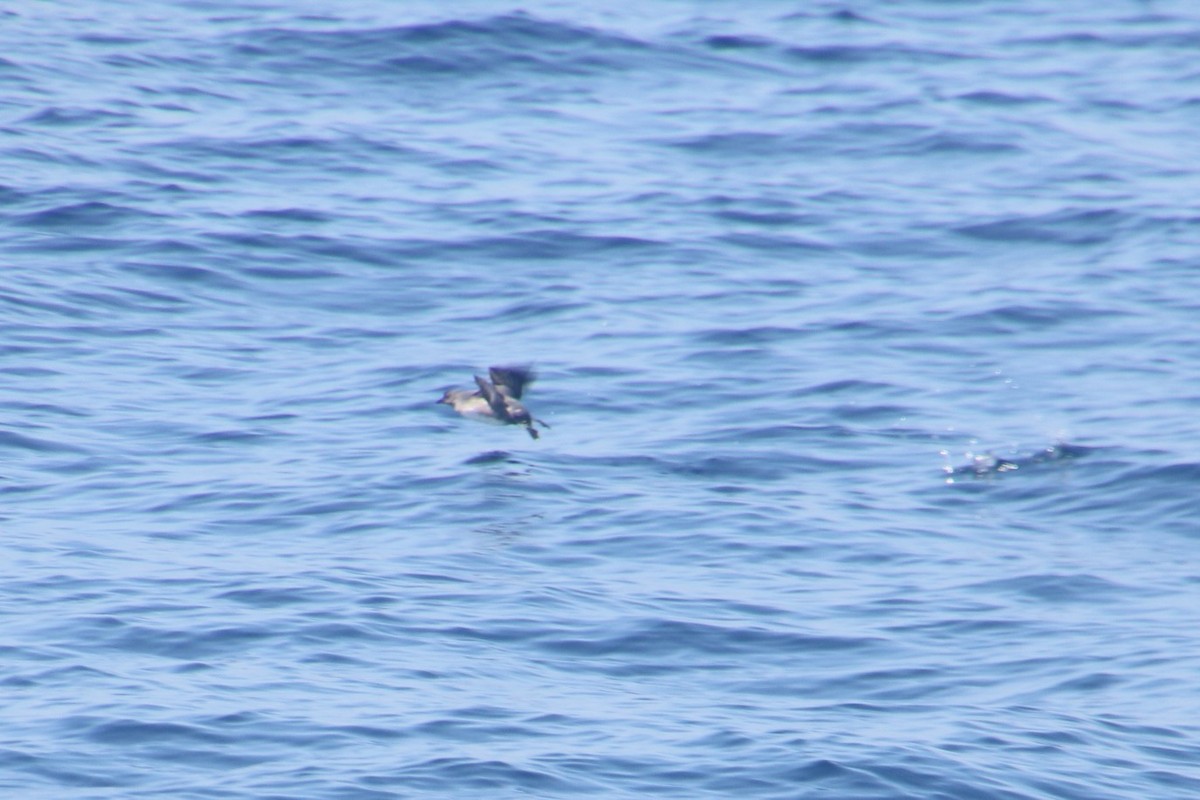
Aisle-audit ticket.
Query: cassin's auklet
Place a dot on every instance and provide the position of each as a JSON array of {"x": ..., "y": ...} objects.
[{"x": 497, "y": 399}]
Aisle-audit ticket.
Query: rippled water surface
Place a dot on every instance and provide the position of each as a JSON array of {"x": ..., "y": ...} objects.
[{"x": 867, "y": 334}]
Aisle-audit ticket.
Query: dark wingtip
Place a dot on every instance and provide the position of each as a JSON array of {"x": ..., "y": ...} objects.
[{"x": 513, "y": 378}]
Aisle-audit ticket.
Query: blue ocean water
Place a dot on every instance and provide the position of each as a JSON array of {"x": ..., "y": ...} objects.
[{"x": 868, "y": 332}]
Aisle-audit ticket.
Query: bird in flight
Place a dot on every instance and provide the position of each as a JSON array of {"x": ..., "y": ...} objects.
[{"x": 497, "y": 399}]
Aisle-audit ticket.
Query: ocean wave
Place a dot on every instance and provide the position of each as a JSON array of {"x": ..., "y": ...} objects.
[
  {"x": 86, "y": 214},
  {"x": 1066, "y": 227},
  {"x": 482, "y": 47}
]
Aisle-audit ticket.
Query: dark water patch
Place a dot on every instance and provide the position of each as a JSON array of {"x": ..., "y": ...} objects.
[
  {"x": 341, "y": 660},
  {"x": 350, "y": 154},
  {"x": 1094, "y": 682},
  {"x": 342, "y": 632},
  {"x": 273, "y": 597},
  {"x": 60, "y": 772},
  {"x": 90, "y": 214},
  {"x": 779, "y": 244},
  {"x": 140, "y": 300},
  {"x": 20, "y": 441},
  {"x": 193, "y": 91},
  {"x": 733, "y": 42},
  {"x": 1072, "y": 39},
  {"x": 744, "y": 467},
  {"x": 1127, "y": 39},
  {"x": 762, "y": 334},
  {"x": 1068, "y": 227},
  {"x": 737, "y": 145},
  {"x": 181, "y": 182},
  {"x": 26, "y": 372},
  {"x": 136, "y": 732},
  {"x": 488, "y": 47},
  {"x": 232, "y": 437},
  {"x": 469, "y": 774},
  {"x": 1138, "y": 495},
  {"x": 540, "y": 245},
  {"x": 783, "y": 432},
  {"x": 996, "y": 98},
  {"x": 722, "y": 356},
  {"x": 848, "y": 15},
  {"x": 492, "y": 457},
  {"x": 954, "y": 143},
  {"x": 278, "y": 417},
  {"x": 110, "y": 39},
  {"x": 189, "y": 64},
  {"x": 74, "y": 675},
  {"x": 1018, "y": 318},
  {"x": 10, "y": 195},
  {"x": 552, "y": 245},
  {"x": 538, "y": 309},
  {"x": 472, "y": 730},
  {"x": 276, "y": 244},
  {"x": 856, "y": 782},
  {"x": 848, "y": 386},
  {"x": 1059, "y": 588},
  {"x": 289, "y": 274},
  {"x": 601, "y": 372},
  {"x": 842, "y": 54},
  {"x": 953, "y": 628},
  {"x": 371, "y": 733},
  {"x": 189, "y": 645},
  {"x": 766, "y": 218},
  {"x": 212, "y": 375},
  {"x": 1178, "y": 475},
  {"x": 334, "y": 507},
  {"x": 661, "y": 638},
  {"x": 839, "y": 15},
  {"x": 47, "y": 154},
  {"x": 472, "y": 167},
  {"x": 863, "y": 412},
  {"x": 303, "y": 215},
  {"x": 182, "y": 274},
  {"x": 755, "y": 147},
  {"x": 767, "y": 211},
  {"x": 60, "y": 117},
  {"x": 353, "y": 252}
]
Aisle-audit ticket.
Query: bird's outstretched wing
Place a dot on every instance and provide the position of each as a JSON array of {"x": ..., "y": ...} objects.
[
  {"x": 511, "y": 380},
  {"x": 493, "y": 397}
]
